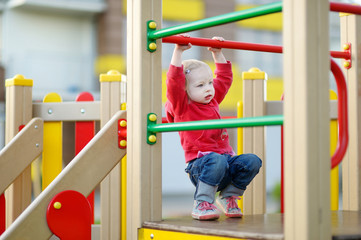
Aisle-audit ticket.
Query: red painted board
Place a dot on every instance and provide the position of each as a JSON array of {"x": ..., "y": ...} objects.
[
  {"x": 84, "y": 132},
  {"x": 69, "y": 216},
  {"x": 2, "y": 213}
]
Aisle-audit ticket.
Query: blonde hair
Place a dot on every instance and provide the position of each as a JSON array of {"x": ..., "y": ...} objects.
[{"x": 193, "y": 65}]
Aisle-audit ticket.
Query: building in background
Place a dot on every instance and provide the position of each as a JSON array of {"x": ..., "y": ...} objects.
[{"x": 51, "y": 42}]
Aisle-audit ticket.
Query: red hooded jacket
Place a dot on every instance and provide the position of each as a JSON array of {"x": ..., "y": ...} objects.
[{"x": 179, "y": 108}]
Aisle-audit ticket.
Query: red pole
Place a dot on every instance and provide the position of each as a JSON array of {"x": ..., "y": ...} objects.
[
  {"x": 282, "y": 169},
  {"x": 341, "y": 115},
  {"x": 84, "y": 132},
  {"x": 2, "y": 214},
  {"x": 205, "y": 42},
  {"x": 339, "y": 54},
  {"x": 344, "y": 7},
  {"x": 282, "y": 175}
]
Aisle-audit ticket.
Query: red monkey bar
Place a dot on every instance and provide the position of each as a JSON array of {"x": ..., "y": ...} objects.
[
  {"x": 205, "y": 42},
  {"x": 345, "y": 7},
  {"x": 342, "y": 115}
]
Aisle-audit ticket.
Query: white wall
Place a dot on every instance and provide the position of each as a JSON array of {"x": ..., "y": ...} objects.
[{"x": 56, "y": 50}]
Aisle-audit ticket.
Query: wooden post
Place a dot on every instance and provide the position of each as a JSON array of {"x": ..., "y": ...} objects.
[
  {"x": 18, "y": 113},
  {"x": 144, "y": 168},
  {"x": 306, "y": 119},
  {"x": 351, "y": 178},
  {"x": 110, "y": 188},
  {"x": 254, "y": 199}
]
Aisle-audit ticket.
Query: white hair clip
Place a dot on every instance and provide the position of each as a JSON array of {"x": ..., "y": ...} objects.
[{"x": 187, "y": 71}]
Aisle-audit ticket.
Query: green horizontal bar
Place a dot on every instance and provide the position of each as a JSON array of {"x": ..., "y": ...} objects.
[
  {"x": 217, "y": 123},
  {"x": 216, "y": 20}
]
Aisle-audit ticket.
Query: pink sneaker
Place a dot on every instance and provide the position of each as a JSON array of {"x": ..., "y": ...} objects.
[
  {"x": 229, "y": 206},
  {"x": 204, "y": 211}
]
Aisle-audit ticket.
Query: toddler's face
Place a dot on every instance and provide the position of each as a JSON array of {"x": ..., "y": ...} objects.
[{"x": 200, "y": 85}]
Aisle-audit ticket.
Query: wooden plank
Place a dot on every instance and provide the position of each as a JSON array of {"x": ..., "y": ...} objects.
[
  {"x": 115, "y": 174},
  {"x": 259, "y": 182},
  {"x": 253, "y": 90},
  {"x": 345, "y": 225},
  {"x": 82, "y": 174},
  {"x": 67, "y": 111},
  {"x": 248, "y": 140},
  {"x": 306, "y": 119},
  {"x": 276, "y": 108},
  {"x": 104, "y": 185},
  {"x": 351, "y": 177},
  {"x": 13, "y": 161},
  {"x": 256, "y": 226}
]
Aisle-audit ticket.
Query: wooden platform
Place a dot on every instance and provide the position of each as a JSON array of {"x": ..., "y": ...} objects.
[{"x": 345, "y": 225}]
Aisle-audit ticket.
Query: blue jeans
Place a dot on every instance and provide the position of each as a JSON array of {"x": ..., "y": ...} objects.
[{"x": 221, "y": 170}]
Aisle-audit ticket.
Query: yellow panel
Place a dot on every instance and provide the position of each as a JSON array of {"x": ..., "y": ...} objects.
[
  {"x": 240, "y": 142},
  {"x": 334, "y": 171},
  {"x": 274, "y": 89},
  {"x": 124, "y": 9},
  {"x": 146, "y": 234},
  {"x": 52, "y": 146},
  {"x": 106, "y": 62},
  {"x": 272, "y": 22},
  {"x": 124, "y": 198},
  {"x": 176, "y": 9},
  {"x": 164, "y": 86}
]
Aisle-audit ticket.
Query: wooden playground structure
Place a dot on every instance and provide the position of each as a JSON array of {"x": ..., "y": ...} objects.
[{"x": 131, "y": 187}]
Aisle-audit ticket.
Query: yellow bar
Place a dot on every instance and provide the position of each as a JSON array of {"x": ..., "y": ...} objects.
[
  {"x": 53, "y": 150},
  {"x": 123, "y": 163},
  {"x": 18, "y": 80},
  {"x": 253, "y": 73},
  {"x": 334, "y": 172},
  {"x": 111, "y": 76},
  {"x": 240, "y": 142},
  {"x": 146, "y": 234}
]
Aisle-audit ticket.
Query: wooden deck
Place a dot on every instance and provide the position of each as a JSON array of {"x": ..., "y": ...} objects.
[{"x": 345, "y": 225}]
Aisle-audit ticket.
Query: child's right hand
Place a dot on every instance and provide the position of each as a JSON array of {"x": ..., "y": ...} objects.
[{"x": 182, "y": 47}]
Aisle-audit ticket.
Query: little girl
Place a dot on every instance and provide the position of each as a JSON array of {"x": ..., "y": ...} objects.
[{"x": 212, "y": 165}]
